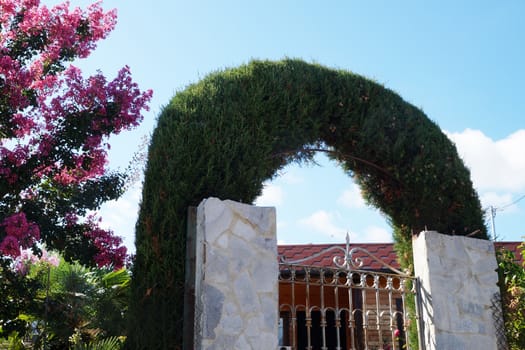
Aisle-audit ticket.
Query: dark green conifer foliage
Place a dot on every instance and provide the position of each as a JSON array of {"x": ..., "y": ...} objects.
[{"x": 227, "y": 134}]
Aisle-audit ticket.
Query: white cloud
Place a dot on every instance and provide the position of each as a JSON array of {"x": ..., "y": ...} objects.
[
  {"x": 494, "y": 165},
  {"x": 121, "y": 216},
  {"x": 498, "y": 200},
  {"x": 272, "y": 195},
  {"x": 281, "y": 225},
  {"x": 375, "y": 234},
  {"x": 289, "y": 178},
  {"x": 323, "y": 222},
  {"x": 352, "y": 198}
]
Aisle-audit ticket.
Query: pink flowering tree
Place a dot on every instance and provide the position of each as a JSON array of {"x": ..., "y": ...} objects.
[
  {"x": 54, "y": 126},
  {"x": 54, "y": 129}
]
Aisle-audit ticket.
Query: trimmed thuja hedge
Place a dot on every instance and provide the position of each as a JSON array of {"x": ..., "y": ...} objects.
[{"x": 227, "y": 134}]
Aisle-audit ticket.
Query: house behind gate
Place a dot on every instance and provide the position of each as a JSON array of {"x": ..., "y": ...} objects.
[{"x": 362, "y": 305}]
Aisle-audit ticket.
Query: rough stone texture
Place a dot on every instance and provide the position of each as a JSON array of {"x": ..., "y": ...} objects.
[
  {"x": 236, "y": 286},
  {"x": 458, "y": 282}
]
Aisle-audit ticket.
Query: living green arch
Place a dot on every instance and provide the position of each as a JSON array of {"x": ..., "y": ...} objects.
[{"x": 227, "y": 134}]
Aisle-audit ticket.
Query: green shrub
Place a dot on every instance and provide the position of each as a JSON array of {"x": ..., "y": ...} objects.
[
  {"x": 512, "y": 286},
  {"x": 227, "y": 134},
  {"x": 72, "y": 304},
  {"x": 112, "y": 343}
]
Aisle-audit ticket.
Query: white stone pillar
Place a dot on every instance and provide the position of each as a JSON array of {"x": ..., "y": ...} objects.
[
  {"x": 458, "y": 285},
  {"x": 236, "y": 285}
]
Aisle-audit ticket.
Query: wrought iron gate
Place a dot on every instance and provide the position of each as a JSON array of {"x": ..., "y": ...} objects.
[{"x": 345, "y": 306}]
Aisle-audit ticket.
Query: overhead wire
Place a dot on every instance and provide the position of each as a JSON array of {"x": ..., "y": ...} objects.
[
  {"x": 492, "y": 212},
  {"x": 510, "y": 204}
]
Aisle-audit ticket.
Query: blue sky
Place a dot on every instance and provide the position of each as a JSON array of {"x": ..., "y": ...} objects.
[{"x": 459, "y": 61}]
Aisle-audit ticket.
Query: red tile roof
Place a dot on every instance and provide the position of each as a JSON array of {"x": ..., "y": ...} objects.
[
  {"x": 383, "y": 251},
  {"x": 513, "y": 247}
]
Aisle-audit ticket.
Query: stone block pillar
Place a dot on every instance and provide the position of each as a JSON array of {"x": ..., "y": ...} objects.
[
  {"x": 236, "y": 277},
  {"x": 458, "y": 291}
]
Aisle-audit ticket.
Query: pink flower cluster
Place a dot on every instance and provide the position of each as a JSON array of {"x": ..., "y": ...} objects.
[
  {"x": 56, "y": 34},
  {"x": 26, "y": 259},
  {"x": 62, "y": 25},
  {"x": 44, "y": 95},
  {"x": 110, "y": 251},
  {"x": 54, "y": 123},
  {"x": 18, "y": 233}
]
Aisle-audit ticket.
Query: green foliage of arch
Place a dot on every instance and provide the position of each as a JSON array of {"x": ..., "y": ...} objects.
[{"x": 227, "y": 134}]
